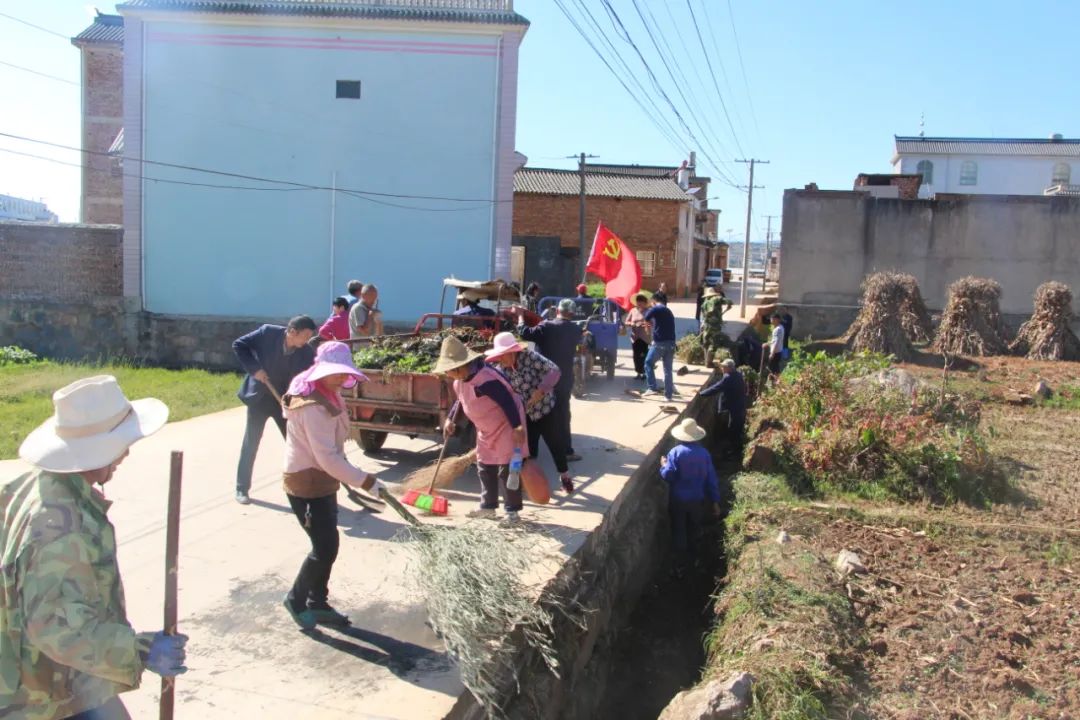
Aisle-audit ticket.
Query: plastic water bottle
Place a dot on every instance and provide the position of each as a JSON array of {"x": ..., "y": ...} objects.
[{"x": 513, "y": 480}]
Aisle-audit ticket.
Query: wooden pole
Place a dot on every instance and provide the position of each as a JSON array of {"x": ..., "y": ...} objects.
[{"x": 172, "y": 553}]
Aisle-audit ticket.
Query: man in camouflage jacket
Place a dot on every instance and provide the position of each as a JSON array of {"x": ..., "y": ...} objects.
[
  {"x": 66, "y": 648},
  {"x": 714, "y": 304}
]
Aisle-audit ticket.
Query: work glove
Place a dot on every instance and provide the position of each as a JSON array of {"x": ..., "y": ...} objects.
[{"x": 167, "y": 655}]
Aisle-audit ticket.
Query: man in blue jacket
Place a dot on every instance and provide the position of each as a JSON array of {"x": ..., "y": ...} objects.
[
  {"x": 691, "y": 477},
  {"x": 271, "y": 356},
  {"x": 732, "y": 391}
]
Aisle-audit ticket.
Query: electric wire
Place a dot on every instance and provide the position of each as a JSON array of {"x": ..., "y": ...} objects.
[
  {"x": 36, "y": 72},
  {"x": 742, "y": 66},
  {"x": 708, "y": 63},
  {"x": 36, "y": 27}
]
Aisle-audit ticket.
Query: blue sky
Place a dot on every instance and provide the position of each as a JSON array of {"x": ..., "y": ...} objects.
[{"x": 827, "y": 84}]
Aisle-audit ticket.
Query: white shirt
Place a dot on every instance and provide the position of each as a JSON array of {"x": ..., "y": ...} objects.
[{"x": 776, "y": 342}]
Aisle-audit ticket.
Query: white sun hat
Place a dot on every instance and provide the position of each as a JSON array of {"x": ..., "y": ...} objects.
[
  {"x": 688, "y": 431},
  {"x": 94, "y": 423}
]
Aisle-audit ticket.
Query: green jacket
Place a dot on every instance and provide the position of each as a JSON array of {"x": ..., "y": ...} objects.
[
  {"x": 65, "y": 642},
  {"x": 712, "y": 313}
]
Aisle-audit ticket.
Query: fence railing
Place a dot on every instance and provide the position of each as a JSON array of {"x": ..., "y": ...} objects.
[{"x": 1062, "y": 189}]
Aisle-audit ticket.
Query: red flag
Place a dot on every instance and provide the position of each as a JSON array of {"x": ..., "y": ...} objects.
[{"x": 615, "y": 263}]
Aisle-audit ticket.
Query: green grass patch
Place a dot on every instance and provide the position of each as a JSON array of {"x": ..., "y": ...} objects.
[
  {"x": 1066, "y": 397},
  {"x": 26, "y": 392}
]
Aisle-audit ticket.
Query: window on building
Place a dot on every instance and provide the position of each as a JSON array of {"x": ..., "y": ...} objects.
[
  {"x": 1062, "y": 174},
  {"x": 926, "y": 169},
  {"x": 969, "y": 173},
  {"x": 647, "y": 260},
  {"x": 348, "y": 89}
]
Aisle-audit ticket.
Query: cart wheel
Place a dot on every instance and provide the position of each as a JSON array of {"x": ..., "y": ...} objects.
[
  {"x": 610, "y": 363},
  {"x": 372, "y": 440}
]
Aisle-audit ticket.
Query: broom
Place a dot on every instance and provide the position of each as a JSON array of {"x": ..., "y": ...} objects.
[{"x": 427, "y": 501}]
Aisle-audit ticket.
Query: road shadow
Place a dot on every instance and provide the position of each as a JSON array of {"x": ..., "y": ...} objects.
[{"x": 404, "y": 659}]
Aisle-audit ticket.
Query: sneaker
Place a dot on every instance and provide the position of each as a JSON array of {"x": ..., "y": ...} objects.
[
  {"x": 512, "y": 519},
  {"x": 676, "y": 392},
  {"x": 304, "y": 618},
  {"x": 573, "y": 457},
  {"x": 650, "y": 392},
  {"x": 482, "y": 514},
  {"x": 326, "y": 615},
  {"x": 242, "y": 497},
  {"x": 567, "y": 483}
]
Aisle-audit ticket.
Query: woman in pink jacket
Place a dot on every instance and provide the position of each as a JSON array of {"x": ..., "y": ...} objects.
[
  {"x": 315, "y": 466},
  {"x": 488, "y": 400}
]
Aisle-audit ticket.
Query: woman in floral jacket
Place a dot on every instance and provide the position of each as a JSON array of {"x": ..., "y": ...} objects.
[{"x": 533, "y": 377}]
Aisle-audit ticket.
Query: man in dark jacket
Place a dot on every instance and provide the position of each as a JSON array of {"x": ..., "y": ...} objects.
[
  {"x": 732, "y": 391},
  {"x": 271, "y": 356},
  {"x": 557, "y": 340}
]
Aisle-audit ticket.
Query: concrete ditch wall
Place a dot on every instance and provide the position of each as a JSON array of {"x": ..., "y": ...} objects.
[
  {"x": 833, "y": 239},
  {"x": 604, "y": 580}
]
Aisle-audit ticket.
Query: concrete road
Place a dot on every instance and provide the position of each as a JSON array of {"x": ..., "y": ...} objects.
[{"x": 246, "y": 657}]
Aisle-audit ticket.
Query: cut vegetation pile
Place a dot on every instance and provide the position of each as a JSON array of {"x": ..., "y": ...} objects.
[
  {"x": 880, "y": 327},
  {"x": 471, "y": 578},
  {"x": 845, "y": 424},
  {"x": 412, "y": 353},
  {"x": 971, "y": 323},
  {"x": 1047, "y": 335}
]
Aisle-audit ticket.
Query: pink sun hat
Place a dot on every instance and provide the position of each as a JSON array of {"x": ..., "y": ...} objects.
[
  {"x": 504, "y": 343},
  {"x": 332, "y": 358}
]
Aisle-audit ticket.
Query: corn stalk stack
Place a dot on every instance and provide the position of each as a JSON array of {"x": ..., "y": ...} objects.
[
  {"x": 879, "y": 326},
  {"x": 972, "y": 323},
  {"x": 914, "y": 316},
  {"x": 1047, "y": 335}
]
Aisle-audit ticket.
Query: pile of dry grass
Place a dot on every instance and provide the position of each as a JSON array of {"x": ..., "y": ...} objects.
[
  {"x": 451, "y": 469},
  {"x": 879, "y": 326},
  {"x": 1047, "y": 335},
  {"x": 914, "y": 316},
  {"x": 971, "y": 323}
]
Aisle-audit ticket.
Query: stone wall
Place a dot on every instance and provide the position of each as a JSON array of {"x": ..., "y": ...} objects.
[
  {"x": 833, "y": 239},
  {"x": 650, "y": 225},
  {"x": 604, "y": 578},
  {"x": 41, "y": 261}
]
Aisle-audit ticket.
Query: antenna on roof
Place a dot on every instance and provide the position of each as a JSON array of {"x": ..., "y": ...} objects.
[{"x": 922, "y": 124}]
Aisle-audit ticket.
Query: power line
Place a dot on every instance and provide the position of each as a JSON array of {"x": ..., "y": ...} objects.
[
  {"x": 746, "y": 83},
  {"x": 256, "y": 178},
  {"x": 712, "y": 72},
  {"x": 621, "y": 28},
  {"x": 238, "y": 187},
  {"x": 746, "y": 243},
  {"x": 36, "y": 27},
  {"x": 35, "y": 72},
  {"x": 719, "y": 55}
]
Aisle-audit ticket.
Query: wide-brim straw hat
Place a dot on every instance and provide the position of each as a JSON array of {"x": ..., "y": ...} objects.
[
  {"x": 504, "y": 343},
  {"x": 710, "y": 291},
  {"x": 92, "y": 426},
  {"x": 688, "y": 431},
  {"x": 332, "y": 358},
  {"x": 453, "y": 354}
]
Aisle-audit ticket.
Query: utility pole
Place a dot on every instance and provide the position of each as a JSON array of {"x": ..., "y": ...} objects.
[
  {"x": 746, "y": 244},
  {"x": 583, "y": 259},
  {"x": 768, "y": 237}
]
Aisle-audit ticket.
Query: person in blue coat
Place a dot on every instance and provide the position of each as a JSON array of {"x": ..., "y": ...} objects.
[
  {"x": 731, "y": 389},
  {"x": 271, "y": 356},
  {"x": 691, "y": 477}
]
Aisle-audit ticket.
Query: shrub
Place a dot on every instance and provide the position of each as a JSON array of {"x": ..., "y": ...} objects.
[
  {"x": 877, "y": 441},
  {"x": 15, "y": 355}
]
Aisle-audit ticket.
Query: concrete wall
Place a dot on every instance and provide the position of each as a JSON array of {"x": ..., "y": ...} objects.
[
  {"x": 833, "y": 239},
  {"x": 259, "y": 99}
]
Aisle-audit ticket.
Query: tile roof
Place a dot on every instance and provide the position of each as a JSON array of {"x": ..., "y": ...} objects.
[
  {"x": 105, "y": 29},
  {"x": 1067, "y": 147},
  {"x": 543, "y": 181},
  {"x": 493, "y": 12}
]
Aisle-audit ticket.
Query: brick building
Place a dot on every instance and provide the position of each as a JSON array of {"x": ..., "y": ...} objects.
[
  {"x": 650, "y": 212},
  {"x": 102, "y": 47},
  {"x": 904, "y": 187}
]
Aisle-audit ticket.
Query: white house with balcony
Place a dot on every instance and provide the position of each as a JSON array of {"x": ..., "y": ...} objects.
[{"x": 990, "y": 166}]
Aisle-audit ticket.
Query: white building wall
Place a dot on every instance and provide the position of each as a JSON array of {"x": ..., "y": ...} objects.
[{"x": 997, "y": 174}]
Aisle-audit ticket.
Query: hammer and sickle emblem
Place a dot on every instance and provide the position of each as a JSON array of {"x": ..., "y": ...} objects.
[{"x": 612, "y": 249}]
